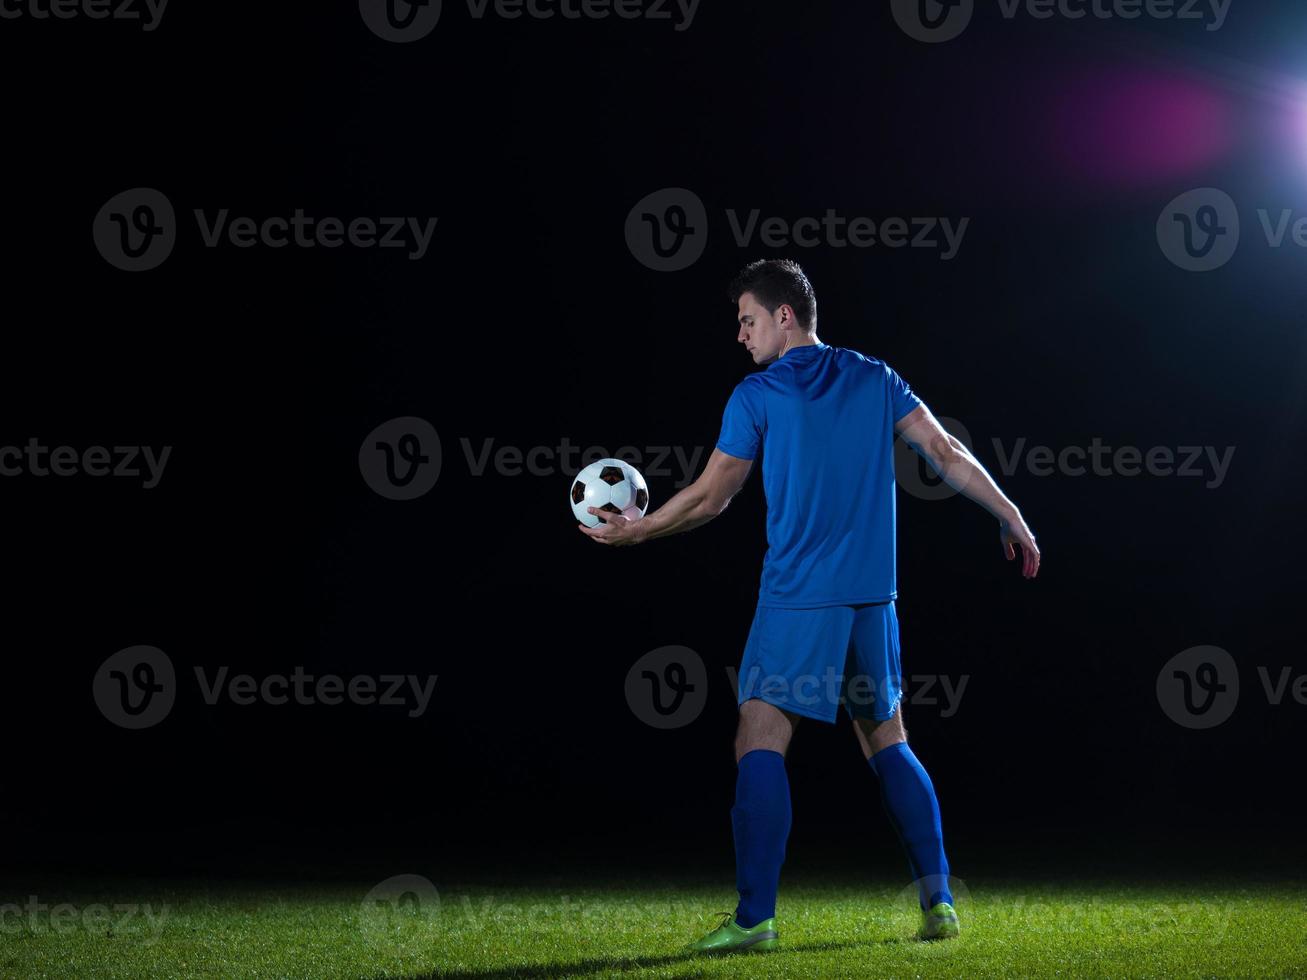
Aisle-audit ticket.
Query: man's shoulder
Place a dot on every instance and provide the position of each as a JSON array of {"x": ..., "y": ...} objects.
[
  {"x": 857, "y": 356},
  {"x": 864, "y": 366},
  {"x": 755, "y": 382}
]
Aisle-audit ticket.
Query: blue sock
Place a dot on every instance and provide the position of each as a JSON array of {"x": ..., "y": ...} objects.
[
  {"x": 761, "y": 818},
  {"x": 909, "y": 798}
]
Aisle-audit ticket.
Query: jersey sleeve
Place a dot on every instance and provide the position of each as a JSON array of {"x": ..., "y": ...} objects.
[
  {"x": 743, "y": 422},
  {"x": 901, "y": 396}
]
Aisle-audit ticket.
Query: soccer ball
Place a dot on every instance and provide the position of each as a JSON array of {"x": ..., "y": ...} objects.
[{"x": 610, "y": 485}]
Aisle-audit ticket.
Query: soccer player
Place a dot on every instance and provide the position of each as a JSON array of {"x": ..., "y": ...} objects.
[{"x": 824, "y": 419}]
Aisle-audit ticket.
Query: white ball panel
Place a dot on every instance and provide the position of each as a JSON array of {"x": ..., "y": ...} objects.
[
  {"x": 621, "y": 494},
  {"x": 597, "y": 493}
]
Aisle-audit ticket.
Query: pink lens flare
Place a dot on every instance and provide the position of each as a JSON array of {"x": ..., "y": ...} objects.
[{"x": 1136, "y": 128}]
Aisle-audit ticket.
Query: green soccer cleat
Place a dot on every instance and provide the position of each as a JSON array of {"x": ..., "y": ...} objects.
[
  {"x": 732, "y": 938},
  {"x": 941, "y": 922}
]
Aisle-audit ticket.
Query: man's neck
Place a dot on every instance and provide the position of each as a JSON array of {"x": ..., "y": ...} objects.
[{"x": 805, "y": 340}]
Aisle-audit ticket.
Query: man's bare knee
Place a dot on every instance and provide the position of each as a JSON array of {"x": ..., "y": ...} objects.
[
  {"x": 763, "y": 726},
  {"x": 874, "y": 736}
]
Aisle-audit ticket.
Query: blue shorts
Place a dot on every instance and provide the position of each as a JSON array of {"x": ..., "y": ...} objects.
[{"x": 810, "y": 661}]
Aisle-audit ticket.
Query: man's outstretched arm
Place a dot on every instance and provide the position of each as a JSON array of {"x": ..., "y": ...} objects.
[
  {"x": 963, "y": 472},
  {"x": 693, "y": 506}
]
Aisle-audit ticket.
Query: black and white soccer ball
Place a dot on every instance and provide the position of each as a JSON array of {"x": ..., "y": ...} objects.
[{"x": 611, "y": 485}]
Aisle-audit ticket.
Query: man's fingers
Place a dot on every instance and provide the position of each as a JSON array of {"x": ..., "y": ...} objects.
[
  {"x": 604, "y": 515},
  {"x": 594, "y": 533},
  {"x": 1029, "y": 552},
  {"x": 1019, "y": 536},
  {"x": 1032, "y": 559}
]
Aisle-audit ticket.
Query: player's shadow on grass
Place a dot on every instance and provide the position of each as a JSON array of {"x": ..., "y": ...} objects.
[{"x": 580, "y": 968}]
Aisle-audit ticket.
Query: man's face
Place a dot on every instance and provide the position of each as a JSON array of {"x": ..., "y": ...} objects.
[{"x": 763, "y": 334}]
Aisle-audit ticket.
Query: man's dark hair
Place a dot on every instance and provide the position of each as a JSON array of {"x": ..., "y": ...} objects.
[{"x": 777, "y": 281}]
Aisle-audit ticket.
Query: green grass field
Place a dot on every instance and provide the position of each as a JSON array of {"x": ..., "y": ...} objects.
[{"x": 562, "y": 928}]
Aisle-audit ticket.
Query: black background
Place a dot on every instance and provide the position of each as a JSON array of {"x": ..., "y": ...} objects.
[{"x": 530, "y": 321}]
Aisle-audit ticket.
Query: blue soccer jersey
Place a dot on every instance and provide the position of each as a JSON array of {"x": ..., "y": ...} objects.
[{"x": 823, "y": 418}]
